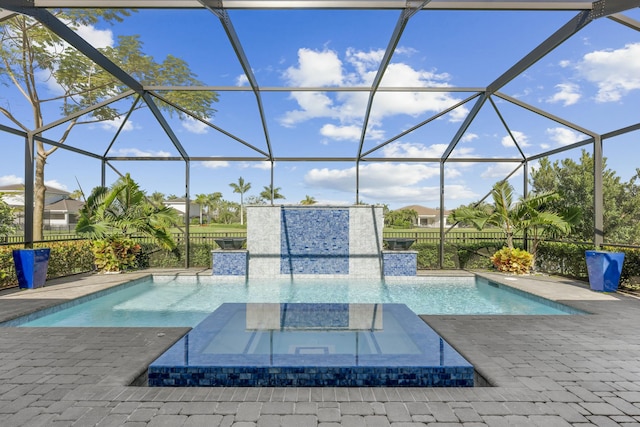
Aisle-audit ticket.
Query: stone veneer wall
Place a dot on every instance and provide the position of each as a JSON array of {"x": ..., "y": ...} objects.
[{"x": 314, "y": 241}]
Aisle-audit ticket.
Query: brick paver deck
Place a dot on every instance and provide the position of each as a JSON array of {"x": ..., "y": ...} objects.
[{"x": 579, "y": 370}]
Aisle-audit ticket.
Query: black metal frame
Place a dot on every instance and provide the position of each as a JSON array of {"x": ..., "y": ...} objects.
[{"x": 586, "y": 12}]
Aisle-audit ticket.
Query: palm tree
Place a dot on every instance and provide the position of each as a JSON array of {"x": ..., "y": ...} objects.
[
  {"x": 308, "y": 200},
  {"x": 266, "y": 193},
  {"x": 530, "y": 214},
  {"x": 202, "y": 200},
  {"x": 157, "y": 199},
  {"x": 213, "y": 200},
  {"x": 241, "y": 187},
  {"x": 112, "y": 215}
]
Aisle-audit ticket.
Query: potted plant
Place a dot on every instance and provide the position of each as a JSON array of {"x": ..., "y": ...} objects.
[{"x": 604, "y": 269}]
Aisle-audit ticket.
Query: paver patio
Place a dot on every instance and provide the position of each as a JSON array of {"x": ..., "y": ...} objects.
[{"x": 576, "y": 370}]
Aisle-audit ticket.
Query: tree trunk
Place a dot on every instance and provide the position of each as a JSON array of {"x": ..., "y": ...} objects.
[{"x": 39, "y": 190}]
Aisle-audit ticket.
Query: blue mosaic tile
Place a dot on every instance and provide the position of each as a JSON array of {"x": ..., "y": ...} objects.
[
  {"x": 229, "y": 263},
  {"x": 314, "y": 241},
  {"x": 399, "y": 263}
]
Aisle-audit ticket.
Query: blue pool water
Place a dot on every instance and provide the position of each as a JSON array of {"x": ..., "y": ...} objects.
[
  {"x": 311, "y": 345},
  {"x": 163, "y": 301}
]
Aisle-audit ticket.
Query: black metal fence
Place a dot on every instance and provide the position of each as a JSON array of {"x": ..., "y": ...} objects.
[{"x": 209, "y": 237}]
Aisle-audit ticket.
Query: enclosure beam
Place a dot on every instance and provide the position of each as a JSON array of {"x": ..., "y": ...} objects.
[
  {"x": 29, "y": 186},
  {"x": 403, "y": 19},
  {"x": 419, "y": 125},
  {"x": 464, "y": 126},
  {"x": 326, "y": 4},
  {"x": 598, "y": 195},
  {"x": 187, "y": 215},
  {"x": 217, "y": 8},
  {"x": 67, "y": 34},
  {"x": 625, "y": 20},
  {"x": 441, "y": 246}
]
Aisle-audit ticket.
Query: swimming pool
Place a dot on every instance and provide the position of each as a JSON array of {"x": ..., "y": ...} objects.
[
  {"x": 187, "y": 300},
  {"x": 311, "y": 345}
]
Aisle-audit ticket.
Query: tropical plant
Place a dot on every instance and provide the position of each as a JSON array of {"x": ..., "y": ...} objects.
[
  {"x": 212, "y": 203},
  {"x": 573, "y": 180},
  {"x": 266, "y": 193},
  {"x": 113, "y": 215},
  {"x": 157, "y": 198},
  {"x": 241, "y": 187},
  {"x": 513, "y": 260},
  {"x": 6, "y": 218},
  {"x": 201, "y": 200},
  {"x": 531, "y": 214},
  {"x": 33, "y": 58},
  {"x": 308, "y": 200},
  {"x": 402, "y": 218}
]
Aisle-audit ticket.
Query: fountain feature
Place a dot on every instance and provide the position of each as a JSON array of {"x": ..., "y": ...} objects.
[{"x": 314, "y": 242}]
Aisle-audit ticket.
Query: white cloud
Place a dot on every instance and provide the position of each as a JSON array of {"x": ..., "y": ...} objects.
[
  {"x": 135, "y": 152},
  {"x": 10, "y": 180},
  {"x": 341, "y": 133},
  {"x": 521, "y": 138},
  {"x": 316, "y": 68},
  {"x": 468, "y": 137},
  {"x": 359, "y": 68},
  {"x": 500, "y": 171},
  {"x": 56, "y": 184},
  {"x": 97, "y": 38},
  {"x": 194, "y": 126},
  {"x": 564, "y": 63},
  {"x": 388, "y": 182},
  {"x": 568, "y": 94},
  {"x": 115, "y": 124},
  {"x": 615, "y": 72},
  {"x": 242, "y": 80},
  {"x": 215, "y": 164},
  {"x": 256, "y": 165},
  {"x": 563, "y": 136},
  {"x": 414, "y": 150}
]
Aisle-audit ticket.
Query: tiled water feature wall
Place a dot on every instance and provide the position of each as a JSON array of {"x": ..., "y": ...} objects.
[{"x": 309, "y": 241}]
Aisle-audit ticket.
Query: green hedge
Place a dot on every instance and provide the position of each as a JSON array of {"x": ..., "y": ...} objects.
[
  {"x": 158, "y": 258},
  {"x": 460, "y": 256},
  {"x": 66, "y": 258}
]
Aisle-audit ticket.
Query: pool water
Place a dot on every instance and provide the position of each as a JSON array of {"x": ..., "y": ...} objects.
[{"x": 186, "y": 301}]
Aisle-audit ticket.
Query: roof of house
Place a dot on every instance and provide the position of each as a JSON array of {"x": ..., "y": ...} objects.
[
  {"x": 181, "y": 200},
  {"x": 66, "y": 205},
  {"x": 20, "y": 187},
  {"x": 423, "y": 210}
]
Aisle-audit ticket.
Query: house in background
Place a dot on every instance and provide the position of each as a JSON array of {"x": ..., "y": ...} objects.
[
  {"x": 427, "y": 217},
  {"x": 13, "y": 195},
  {"x": 180, "y": 204},
  {"x": 60, "y": 212}
]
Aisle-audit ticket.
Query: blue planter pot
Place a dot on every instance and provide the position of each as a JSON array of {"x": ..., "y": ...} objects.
[
  {"x": 31, "y": 267},
  {"x": 604, "y": 270}
]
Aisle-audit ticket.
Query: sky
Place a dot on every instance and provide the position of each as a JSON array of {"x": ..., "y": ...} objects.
[{"x": 592, "y": 80}]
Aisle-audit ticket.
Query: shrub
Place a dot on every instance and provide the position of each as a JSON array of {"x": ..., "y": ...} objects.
[
  {"x": 514, "y": 260},
  {"x": 66, "y": 258},
  {"x": 564, "y": 259},
  {"x": 115, "y": 254}
]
